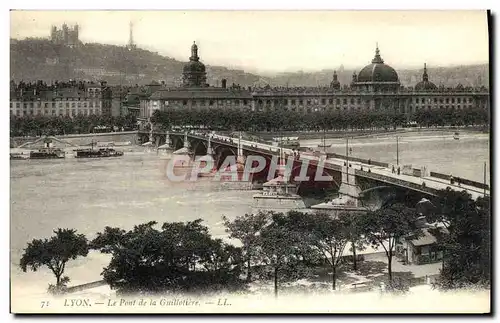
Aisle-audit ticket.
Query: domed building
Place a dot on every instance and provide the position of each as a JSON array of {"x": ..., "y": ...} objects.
[
  {"x": 335, "y": 84},
  {"x": 425, "y": 85},
  {"x": 194, "y": 74},
  {"x": 377, "y": 76}
]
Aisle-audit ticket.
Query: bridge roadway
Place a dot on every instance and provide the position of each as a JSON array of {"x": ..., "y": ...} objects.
[{"x": 432, "y": 184}]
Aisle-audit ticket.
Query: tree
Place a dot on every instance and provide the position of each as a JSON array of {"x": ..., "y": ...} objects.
[
  {"x": 327, "y": 235},
  {"x": 466, "y": 247},
  {"x": 246, "y": 228},
  {"x": 55, "y": 253},
  {"x": 386, "y": 226},
  {"x": 354, "y": 233},
  {"x": 179, "y": 257},
  {"x": 281, "y": 249}
]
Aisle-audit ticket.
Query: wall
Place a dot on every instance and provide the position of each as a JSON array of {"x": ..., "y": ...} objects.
[{"x": 85, "y": 139}]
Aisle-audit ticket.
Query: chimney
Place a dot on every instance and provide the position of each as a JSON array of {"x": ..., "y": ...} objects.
[{"x": 224, "y": 83}]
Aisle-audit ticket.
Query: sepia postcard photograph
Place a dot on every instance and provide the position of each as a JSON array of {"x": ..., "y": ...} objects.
[{"x": 250, "y": 162}]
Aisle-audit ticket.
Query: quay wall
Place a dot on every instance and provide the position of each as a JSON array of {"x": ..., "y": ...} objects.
[{"x": 84, "y": 139}]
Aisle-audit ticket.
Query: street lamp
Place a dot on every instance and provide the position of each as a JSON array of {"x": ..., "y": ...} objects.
[{"x": 397, "y": 150}]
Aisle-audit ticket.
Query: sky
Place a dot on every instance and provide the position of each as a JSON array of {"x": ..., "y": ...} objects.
[{"x": 282, "y": 41}]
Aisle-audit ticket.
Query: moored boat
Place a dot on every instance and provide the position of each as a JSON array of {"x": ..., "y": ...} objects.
[
  {"x": 97, "y": 153},
  {"x": 456, "y": 136},
  {"x": 18, "y": 156},
  {"x": 47, "y": 153}
]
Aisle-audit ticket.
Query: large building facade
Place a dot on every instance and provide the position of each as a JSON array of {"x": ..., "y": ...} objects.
[
  {"x": 375, "y": 88},
  {"x": 60, "y": 99}
]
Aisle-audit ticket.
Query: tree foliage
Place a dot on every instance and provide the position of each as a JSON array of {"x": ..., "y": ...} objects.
[
  {"x": 387, "y": 226},
  {"x": 246, "y": 228},
  {"x": 54, "y": 253},
  {"x": 179, "y": 257},
  {"x": 222, "y": 119},
  {"x": 467, "y": 247},
  {"x": 282, "y": 250},
  {"x": 40, "y": 125},
  {"x": 326, "y": 235}
]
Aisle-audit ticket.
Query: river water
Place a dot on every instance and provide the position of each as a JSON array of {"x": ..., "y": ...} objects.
[{"x": 88, "y": 195}]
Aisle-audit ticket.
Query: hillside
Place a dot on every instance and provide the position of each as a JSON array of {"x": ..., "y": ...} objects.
[
  {"x": 473, "y": 75},
  {"x": 39, "y": 59}
]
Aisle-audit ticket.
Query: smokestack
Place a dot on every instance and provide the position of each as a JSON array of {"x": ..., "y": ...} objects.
[{"x": 224, "y": 83}]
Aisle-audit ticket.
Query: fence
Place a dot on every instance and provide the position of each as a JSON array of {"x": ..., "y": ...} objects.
[
  {"x": 396, "y": 181},
  {"x": 361, "y": 160},
  {"x": 461, "y": 180}
]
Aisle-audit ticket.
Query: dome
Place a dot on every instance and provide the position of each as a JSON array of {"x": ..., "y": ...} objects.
[
  {"x": 425, "y": 84},
  {"x": 194, "y": 72},
  {"x": 377, "y": 71},
  {"x": 194, "y": 66}
]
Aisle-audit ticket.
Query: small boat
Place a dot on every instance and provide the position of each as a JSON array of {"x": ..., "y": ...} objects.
[
  {"x": 47, "y": 153},
  {"x": 18, "y": 156},
  {"x": 97, "y": 153},
  {"x": 456, "y": 136}
]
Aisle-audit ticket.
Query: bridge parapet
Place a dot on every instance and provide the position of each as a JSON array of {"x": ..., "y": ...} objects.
[{"x": 396, "y": 181}]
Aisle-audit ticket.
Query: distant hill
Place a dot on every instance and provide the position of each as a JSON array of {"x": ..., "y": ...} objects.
[
  {"x": 473, "y": 75},
  {"x": 39, "y": 59}
]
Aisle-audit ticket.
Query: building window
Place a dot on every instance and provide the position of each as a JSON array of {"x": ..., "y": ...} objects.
[
  {"x": 470, "y": 100},
  {"x": 245, "y": 101},
  {"x": 211, "y": 102},
  {"x": 73, "y": 104},
  {"x": 79, "y": 104},
  {"x": 25, "y": 105},
  {"x": 18, "y": 105},
  {"x": 447, "y": 100},
  {"x": 293, "y": 101},
  {"x": 330, "y": 101},
  {"x": 352, "y": 101},
  {"x": 268, "y": 102},
  {"x": 323, "y": 101},
  {"x": 84, "y": 104},
  {"x": 53, "y": 112},
  {"x": 452, "y": 100},
  {"x": 18, "y": 112},
  {"x": 308, "y": 102},
  {"x": 345, "y": 101},
  {"x": 184, "y": 102},
  {"x": 337, "y": 101},
  {"x": 237, "y": 102},
  {"x": 301, "y": 102}
]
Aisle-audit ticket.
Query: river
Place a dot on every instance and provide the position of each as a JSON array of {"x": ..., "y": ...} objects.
[{"x": 88, "y": 195}]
